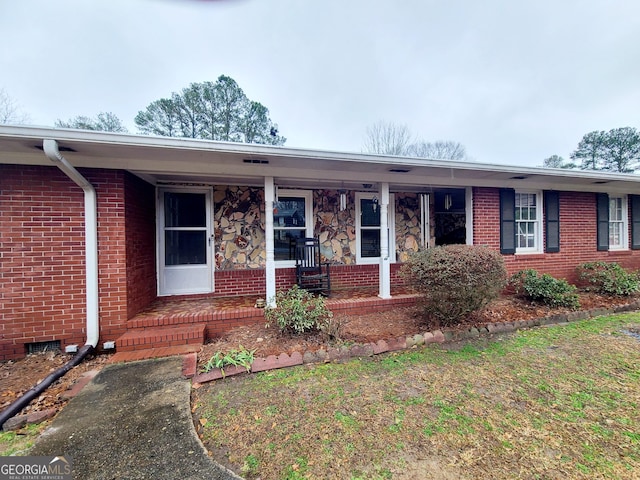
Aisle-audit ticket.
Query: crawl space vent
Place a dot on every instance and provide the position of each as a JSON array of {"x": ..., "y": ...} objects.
[{"x": 40, "y": 347}]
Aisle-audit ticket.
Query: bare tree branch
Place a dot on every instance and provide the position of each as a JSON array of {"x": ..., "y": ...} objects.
[
  {"x": 9, "y": 111},
  {"x": 387, "y": 138},
  {"x": 438, "y": 150}
]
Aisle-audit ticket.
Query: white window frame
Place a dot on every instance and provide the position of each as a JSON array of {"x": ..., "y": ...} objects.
[
  {"x": 538, "y": 225},
  {"x": 391, "y": 227},
  {"x": 309, "y": 220},
  {"x": 622, "y": 223}
]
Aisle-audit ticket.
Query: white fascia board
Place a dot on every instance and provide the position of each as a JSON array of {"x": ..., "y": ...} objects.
[{"x": 459, "y": 172}]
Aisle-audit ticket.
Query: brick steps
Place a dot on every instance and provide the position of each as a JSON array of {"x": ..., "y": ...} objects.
[
  {"x": 181, "y": 330},
  {"x": 148, "y": 353},
  {"x": 160, "y": 320},
  {"x": 156, "y": 337}
]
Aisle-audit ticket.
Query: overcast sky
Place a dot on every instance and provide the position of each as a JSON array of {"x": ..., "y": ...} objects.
[{"x": 513, "y": 81}]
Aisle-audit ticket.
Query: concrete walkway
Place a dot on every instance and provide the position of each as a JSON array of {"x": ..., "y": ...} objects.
[{"x": 132, "y": 421}]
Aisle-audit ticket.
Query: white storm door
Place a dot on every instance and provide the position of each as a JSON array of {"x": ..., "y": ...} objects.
[{"x": 184, "y": 231}]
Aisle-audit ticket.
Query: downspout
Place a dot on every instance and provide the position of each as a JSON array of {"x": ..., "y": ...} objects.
[{"x": 91, "y": 271}]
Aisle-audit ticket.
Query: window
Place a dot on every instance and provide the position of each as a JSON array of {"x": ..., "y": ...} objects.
[
  {"x": 368, "y": 228},
  {"x": 618, "y": 230},
  {"x": 528, "y": 214},
  {"x": 292, "y": 218}
]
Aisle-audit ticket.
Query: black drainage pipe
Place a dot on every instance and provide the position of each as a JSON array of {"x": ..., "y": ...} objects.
[{"x": 25, "y": 399}]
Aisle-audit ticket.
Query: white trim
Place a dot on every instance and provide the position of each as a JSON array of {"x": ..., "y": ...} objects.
[
  {"x": 625, "y": 223},
  {"x": 425, "y": 220},
  {"x": 203, "y": 161},
  {"x": 391, "y": 224},
  {"x": 468, "y": 212},
  {"x": 384, "y": 273},
  {"x": 270, "y": 264},
  {"x": 538, "y": 224},
  {"x": 309, "y": 220}
]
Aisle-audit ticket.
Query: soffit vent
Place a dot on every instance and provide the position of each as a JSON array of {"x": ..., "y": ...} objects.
[
  {"x": 60, "y": 148},
  {"x": 259, "y": 161}
]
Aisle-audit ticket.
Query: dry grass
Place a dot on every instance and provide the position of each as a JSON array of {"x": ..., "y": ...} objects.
[{"x": 558, "y": 402}]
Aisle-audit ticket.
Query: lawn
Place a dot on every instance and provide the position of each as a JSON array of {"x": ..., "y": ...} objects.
[{"x": 551, "y": 402}]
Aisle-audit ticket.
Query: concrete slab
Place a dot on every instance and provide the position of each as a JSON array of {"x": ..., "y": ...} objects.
[{"x": 133, "y": 421}]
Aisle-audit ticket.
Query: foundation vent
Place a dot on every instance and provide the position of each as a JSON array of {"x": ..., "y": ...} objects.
[{"x": 41, "y": 347}]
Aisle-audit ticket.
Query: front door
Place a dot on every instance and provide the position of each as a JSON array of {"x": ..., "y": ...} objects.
[{"x": 184, "y": 223}]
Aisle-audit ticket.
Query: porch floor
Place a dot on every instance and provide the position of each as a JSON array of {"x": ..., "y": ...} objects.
[
  {"x": 170, "y": 325},
  {"x": 181, "y": 306}
]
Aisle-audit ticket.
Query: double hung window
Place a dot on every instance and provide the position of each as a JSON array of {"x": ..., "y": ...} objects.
[
  {"x": 292, "y": 219},
  {"x": 368, "y": 227},
  {"x": 528, "y": 217},
  {"x": 618, "y": 236}
]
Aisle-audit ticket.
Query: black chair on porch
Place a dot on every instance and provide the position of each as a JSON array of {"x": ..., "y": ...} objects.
[{"x": 311, "y": 274}]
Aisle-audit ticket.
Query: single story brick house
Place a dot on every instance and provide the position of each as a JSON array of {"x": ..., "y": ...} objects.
[{"x": 101, "y": 225}]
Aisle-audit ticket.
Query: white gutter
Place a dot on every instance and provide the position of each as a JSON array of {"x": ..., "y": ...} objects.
[{"x": 91, "y": 237}]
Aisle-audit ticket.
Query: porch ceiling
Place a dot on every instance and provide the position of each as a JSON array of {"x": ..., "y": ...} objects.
[{"x": 177, "y": 160}]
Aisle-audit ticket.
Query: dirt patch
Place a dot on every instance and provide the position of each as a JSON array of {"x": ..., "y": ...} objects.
[
  {"x": 19, "y": 376},
  {"x": 388, "y": 324}
]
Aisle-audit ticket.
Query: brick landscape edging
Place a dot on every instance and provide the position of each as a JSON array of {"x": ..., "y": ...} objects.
[{"x": 344, "y": 353}]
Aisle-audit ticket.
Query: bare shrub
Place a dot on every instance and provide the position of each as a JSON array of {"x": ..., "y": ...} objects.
[{"x": 455, "y": 280}]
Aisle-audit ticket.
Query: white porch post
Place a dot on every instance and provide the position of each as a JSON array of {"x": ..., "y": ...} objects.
[
  {"x": 270, "y": 274},
  {"x": 385, "y": 266},
  {"x": 468, "y": 206}
]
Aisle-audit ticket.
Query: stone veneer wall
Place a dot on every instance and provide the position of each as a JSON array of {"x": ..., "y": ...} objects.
[
  {"x": 335, "y": 229},
  {"x": 407, "y": 225},
  {"x": 239, "y": 226}
]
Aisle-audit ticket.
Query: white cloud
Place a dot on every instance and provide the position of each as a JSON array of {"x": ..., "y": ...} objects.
[{"x": 515, "y": 82}]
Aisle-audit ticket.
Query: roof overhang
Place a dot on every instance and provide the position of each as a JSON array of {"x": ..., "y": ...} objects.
[{"x": 172, "y": 160}]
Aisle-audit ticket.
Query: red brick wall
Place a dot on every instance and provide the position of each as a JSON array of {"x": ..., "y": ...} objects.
[
  {"x": 252, "y": 281},
  {"x": 140, "y": 232},
  {"x": 42, "y": 279},
  {"x": 42, "y": 254},
  {"x": 577, "y": 235}
]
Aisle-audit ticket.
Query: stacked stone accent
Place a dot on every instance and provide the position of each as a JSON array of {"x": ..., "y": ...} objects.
[
  {"x": 239, "y": 226},
  {"x": 407, "y": 225},
  {"x": 335, "y": 229}
]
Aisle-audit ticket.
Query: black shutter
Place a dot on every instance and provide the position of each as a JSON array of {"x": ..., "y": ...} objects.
[
  {"x": 507, "y": 221},
  {"x": 552, "y": 221},
  {"x": 634, "y": 200},
  {"x": 602, "y": 203}
]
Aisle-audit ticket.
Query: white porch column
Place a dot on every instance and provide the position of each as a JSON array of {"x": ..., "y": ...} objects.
[
  {"x": 468, "y": 207},
  {"x": 270, "y": 273},
  {"x": 385, "y": 266}
]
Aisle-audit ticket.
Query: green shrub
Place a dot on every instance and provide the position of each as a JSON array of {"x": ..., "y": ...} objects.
[
  {"x": 241, "y": 357},
  {"x": 608, "y": 278},
  {"x": 455, "y": 280},
  {"x": 545, "y": 288},
  {"x": 298, "y": 311}
]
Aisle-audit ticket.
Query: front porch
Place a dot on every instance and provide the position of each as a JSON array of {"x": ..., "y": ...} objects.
[{"x": 176, "y": 325}]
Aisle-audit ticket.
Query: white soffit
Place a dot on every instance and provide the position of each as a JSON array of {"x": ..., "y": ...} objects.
[{"x": 168, "y": 159}]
